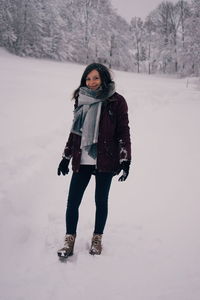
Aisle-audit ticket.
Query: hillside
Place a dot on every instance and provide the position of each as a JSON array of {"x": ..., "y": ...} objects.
[{"x": 151, "y": 242}]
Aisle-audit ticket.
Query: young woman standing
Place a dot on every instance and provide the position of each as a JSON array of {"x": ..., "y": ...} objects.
[{"x": 98, "y": 144}]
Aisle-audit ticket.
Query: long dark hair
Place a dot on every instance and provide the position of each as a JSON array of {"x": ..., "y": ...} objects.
[{"x": 104, "y": 73}]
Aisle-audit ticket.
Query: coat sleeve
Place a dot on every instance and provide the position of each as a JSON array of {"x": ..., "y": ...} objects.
[
  {"x": 123, "y": 131},
  {"x": 67, "y": 153}
]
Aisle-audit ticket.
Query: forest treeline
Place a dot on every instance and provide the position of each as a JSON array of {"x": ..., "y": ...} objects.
[{"x": 84, "y": 31}]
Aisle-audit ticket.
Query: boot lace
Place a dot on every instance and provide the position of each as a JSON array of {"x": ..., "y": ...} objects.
[
  {"x": 69, "y": 240},
  {"x": 96, "y": 241}
]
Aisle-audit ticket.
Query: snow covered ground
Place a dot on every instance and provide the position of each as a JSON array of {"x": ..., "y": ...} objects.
[{"x": 151, "y": 242}]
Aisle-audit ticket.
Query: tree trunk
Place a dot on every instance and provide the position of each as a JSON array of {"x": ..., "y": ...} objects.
[
  {"x": 111, "y": 50},
  {"x": 149, "y": 56}
]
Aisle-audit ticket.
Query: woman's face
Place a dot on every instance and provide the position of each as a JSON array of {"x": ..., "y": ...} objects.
[{"x": 93, "y": 80}]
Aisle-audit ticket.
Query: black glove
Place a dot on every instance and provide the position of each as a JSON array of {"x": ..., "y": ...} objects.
[
  {"x": 63, "y": 167},
  {"x": 124, "y": 166}
]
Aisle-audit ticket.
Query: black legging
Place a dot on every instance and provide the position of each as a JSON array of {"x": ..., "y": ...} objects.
[{"x": 78, "y": 185}]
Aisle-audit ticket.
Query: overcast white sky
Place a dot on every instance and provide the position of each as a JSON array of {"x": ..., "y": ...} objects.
[{"x": 136, "y": 8}]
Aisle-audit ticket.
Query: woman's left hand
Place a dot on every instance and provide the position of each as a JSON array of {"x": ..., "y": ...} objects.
[{"x": 124, "y": 166}]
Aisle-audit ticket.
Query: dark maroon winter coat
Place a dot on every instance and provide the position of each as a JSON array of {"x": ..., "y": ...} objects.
[{"x": 113, "y": 145}]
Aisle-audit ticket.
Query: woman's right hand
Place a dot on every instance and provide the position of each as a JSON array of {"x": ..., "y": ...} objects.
[{"x": 63, "y": 167}]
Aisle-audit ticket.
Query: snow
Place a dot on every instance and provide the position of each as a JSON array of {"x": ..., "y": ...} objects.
[{"x": 151, "y": 242}]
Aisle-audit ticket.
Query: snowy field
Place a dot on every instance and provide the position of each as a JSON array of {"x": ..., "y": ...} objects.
[{"x": 151, "y": 242}]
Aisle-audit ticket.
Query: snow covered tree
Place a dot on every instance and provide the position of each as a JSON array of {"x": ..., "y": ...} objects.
[
  {"x": 30, "y": 27},
  {"x": 161, "y": 17},
  {"x": 192, "y": 40},
  {"x": 122, "y": 44},
  {"x": 150, "y": 43},
  {"x": 169, "y": 21},
  {"x": 137, "y": 30},
  {"x": 85, "y": 31},
  {"x": 7, "y": 24},
  {"x": 184, "y": 13}
]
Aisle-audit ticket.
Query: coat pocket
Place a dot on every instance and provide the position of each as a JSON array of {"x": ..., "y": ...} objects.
[{"x": 110, "y": 148}]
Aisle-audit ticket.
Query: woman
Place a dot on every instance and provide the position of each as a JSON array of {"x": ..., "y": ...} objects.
[{"x": 98, "y": 144}]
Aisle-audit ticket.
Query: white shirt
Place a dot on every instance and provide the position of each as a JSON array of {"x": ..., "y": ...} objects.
[{"x": 87, "y": 159}]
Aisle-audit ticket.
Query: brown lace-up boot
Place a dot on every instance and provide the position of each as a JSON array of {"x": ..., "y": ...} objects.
[
  {"x": 68, "y": 248},
  {"x": 96, "y": 246}
]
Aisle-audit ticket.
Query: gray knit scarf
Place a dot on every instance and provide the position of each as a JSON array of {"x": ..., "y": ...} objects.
[{"x": 87, "y": 116}]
